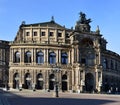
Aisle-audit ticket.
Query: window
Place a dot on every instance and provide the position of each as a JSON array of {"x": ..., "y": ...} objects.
[
  {"x": 27, "y": 57},
  {"x": 116, "y": 66},
  {"x": 27, "y": 33},
  {"x": 52, "y": 58},
  {"x": 64, "y": 58},
  {"x": 67, "y": 35},
  {"x": 40, "y": 58},
  {"x": 43, "y": 34},
  {"x": 105, "y": 65},
  {"x": 35, "y": 33},
  {"x": 112, "y": 66},
  {"x": 90, "y": 59},
  {"x": 83, "y": 61},
  {"x": 59, "y": 34},
  {"x": 17, "y": 57},
  {"x": 51, "y": 34}
]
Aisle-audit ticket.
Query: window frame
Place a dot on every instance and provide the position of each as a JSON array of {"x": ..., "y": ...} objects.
[
  {"x": 17, "y": 57},
  {"x": 52, "y": 58},
  {"x": 40, "y": 57},
  {"x": 64, "y": 58},
  {"x": 28, "y": 57}
]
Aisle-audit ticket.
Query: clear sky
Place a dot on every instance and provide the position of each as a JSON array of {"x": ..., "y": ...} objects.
[{"x": 105, "y": 13}]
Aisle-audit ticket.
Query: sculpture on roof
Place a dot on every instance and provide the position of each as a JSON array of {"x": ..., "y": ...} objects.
[
  {"x": 83, "y": 19},
  {"x": 83, "y": 23}
]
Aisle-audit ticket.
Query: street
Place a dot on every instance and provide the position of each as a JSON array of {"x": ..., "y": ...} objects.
[{"x": 47, "y": 98}]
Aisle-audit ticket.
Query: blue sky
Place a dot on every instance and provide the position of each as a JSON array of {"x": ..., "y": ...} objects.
[{"x": 105, "y": 13}]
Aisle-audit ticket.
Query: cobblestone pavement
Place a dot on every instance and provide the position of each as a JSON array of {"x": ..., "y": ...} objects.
[{"x": 47, "y": 98}]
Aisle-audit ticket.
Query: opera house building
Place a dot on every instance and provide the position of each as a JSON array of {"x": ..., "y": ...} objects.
[{"x": 47, "y": 54}]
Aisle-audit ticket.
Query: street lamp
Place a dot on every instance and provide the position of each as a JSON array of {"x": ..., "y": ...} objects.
[{"x": 56, "y": 71}]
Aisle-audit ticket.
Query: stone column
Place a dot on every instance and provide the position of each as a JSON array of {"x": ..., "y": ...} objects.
[
  {"x": 64, "y": 36},
  {"x": 77, "y": 54},
  {"x": 73, "y": 58},
  {"x": 35, "y": 52},
  {"x": 73, "y": 79},
  {"x": 32, "y": 57},
  {"x": 10, "y": 79},
  {"x": 44, "y": 52},
  {"x": 59, "y": 55},
  {"x": 47, "y": 35},
  {"x": 69, "y": 57},
  {"x": 12, "y": 55},
  {"x": 23, "y": 55},
  {"x": 23, "y": 75},
  {"x": 77, "y": 78},
  {"x": 44, "y": 80},
  {"x": 99, "y": 81},
  {"x": 82, "y": 80},
  {"x": 60, "y": 80},
  {"x": 47, "y": 56},
  {"x": 56, "y": 35},
  {"x": 47, "y": 80},
  {"x": 70, "y": 80}
]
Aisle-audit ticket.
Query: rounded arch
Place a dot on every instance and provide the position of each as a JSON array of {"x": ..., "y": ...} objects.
[
  {"x": 27, "y": 81},
  {"x": 89, "y": 82},
  {"x": 39, "y": 81},
  {"x": 52, "y": 57},
  {"x": 28, "y": 57},
  {"x": 17, "y": 57},
  {"x": 87, "y": 42},
  {"x": 64, "y": 83},
  {"x": 40, "y": 57},
  {"x": 16, "y": 81},
  {"x": 64, "y": 58},
  {"x": 51, "y": 81}
]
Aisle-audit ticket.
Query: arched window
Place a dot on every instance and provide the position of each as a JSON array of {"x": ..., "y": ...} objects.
[
  {"x": 90, "y": 58},
  {"x": 28, "y": 57},
  {"x": 64, "y": 58},
  {"x": 40, "y": 58},
  {"x": 17, "y": 57},
  {"x": 105, "y": 63},
  {"x": 112, "y": 65},
  {"x": 52, "y": 58},
  {"x": 39, "y": 81}
]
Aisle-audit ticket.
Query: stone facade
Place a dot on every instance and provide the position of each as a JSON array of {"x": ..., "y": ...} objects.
[
  {"x": 80, "y": 56},
  {"x": 4, "y": 61}
]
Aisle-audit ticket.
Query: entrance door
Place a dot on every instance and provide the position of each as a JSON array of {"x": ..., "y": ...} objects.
[
  {"x": 28, "y": 84},
  {"x": 89, "y": 82},
  {"x": 51, "y": 81},
  {"x": 16, "y": 81},
  {"x": 39, "y": 81},
  {"x": 64, "y": 83}
]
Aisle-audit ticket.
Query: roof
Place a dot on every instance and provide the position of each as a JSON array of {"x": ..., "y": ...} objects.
[{"x": 45, "y": 24}]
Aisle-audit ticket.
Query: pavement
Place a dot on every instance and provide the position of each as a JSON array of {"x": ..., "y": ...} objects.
[
  {"x": 28, "y": 97},
  {"x": 3, "y": 99}
]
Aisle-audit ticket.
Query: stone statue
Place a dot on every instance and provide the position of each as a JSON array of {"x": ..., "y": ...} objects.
[
  {"x": 83, "y": 24},
  {"x": 83, "y": 19}
]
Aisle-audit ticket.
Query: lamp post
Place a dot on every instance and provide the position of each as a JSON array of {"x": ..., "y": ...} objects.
[{"x": 56, "y": 71}]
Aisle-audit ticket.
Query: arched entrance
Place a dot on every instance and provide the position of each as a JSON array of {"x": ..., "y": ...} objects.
[
  {"x": 51, "y": 81},
  {"x": 89, "y": 82},
  {"x": 39, "y": 81},
  {"x": 27, "y": 82},
  {"x": 16, "y": 81},
  {"x": 64, "y": 82}
]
